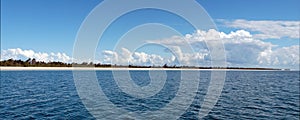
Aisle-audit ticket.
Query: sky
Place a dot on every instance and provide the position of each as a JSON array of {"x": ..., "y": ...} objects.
[{"x": 255, "y": 33}]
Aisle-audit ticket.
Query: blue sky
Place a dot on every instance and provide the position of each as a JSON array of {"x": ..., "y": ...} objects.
[
  {"x": 252, "y": 9},
  {"x": 39, "y": 24},
  {"x": 51, "y": 25}
]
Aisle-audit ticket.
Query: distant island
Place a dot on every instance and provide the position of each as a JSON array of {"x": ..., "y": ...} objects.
[{"x": 33, "y": 63}]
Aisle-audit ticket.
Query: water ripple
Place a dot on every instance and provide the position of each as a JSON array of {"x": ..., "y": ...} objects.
[{"x": 246, "y": 95}]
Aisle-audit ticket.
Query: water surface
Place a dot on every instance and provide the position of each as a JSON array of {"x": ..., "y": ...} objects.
[{"x": 246, "y": 95}]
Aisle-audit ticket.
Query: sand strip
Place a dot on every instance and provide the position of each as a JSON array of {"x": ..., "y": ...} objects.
[
  {"x": 81, "y": 68},
  {"x": 4, "y": 68}
]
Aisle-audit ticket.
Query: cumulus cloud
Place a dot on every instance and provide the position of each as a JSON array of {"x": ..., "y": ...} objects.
[
  {"x": 267, "y": 29},
  {"x": 241, "y": 47},
  {"x": 280, "y": 57},
  {"x": 126, "y": 57},
  {"x": 39, "y": 56}
]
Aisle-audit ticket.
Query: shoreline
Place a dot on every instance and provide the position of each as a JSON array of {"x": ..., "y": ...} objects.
[{"x": 109, "y": 68}]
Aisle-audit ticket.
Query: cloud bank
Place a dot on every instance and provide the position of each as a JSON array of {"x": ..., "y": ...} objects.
[
  {"x": 126, "y": 57},
  {"x": 242, "y": 49},
  {"x": 18, "y": 53},
  {"x": 267, "y": 29}
]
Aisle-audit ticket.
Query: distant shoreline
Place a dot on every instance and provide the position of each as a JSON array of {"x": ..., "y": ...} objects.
[
  {"x": 6, "y": 68},
  {"x": 32, "y": 64}
]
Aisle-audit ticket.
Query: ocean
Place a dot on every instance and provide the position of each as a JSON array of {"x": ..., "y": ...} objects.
[{"x": 245, "y": 95}]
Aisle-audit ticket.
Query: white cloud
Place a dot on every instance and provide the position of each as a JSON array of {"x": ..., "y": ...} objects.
[
  {"x": 267, "y": 29},
  {"x": 109, "y": 56},
  {"x": 39, "y": 56},
  {"x": 242, "y": 49},
  {"x": 126, "y": 57},
  {"x": 280, "y": 57}
]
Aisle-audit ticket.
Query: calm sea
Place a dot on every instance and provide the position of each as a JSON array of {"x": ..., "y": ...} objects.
[{"x": 246, "y": 95}]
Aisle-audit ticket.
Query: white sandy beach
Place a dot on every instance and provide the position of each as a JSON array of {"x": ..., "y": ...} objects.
[
  {"x": 82, "y": 68},
  {"x": 2, "y": 68}
]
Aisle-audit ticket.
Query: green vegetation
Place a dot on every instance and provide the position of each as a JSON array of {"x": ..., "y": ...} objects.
[{"x": 33, "y": 63}]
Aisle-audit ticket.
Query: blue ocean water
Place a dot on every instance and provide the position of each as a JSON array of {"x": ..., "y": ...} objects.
[{"x": 246, "y": 95}]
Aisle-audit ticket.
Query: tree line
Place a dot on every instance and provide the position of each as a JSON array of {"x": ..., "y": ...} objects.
[{"x": 34, "y": 63}]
